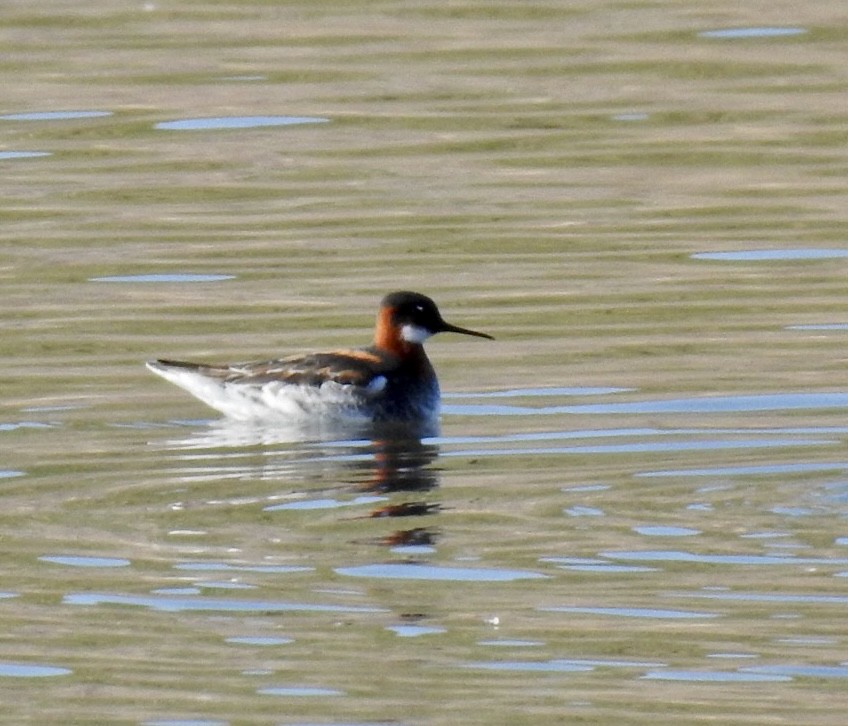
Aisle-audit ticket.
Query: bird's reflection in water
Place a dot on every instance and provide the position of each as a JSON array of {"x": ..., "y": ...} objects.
[
  {"x": 384, "y": 461},
  {"x": 404, "y": 465}
]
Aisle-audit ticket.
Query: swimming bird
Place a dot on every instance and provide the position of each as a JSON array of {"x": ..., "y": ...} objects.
[{"x": 391, "y": 380}]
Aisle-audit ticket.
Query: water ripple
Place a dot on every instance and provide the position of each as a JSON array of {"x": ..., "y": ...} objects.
[
  {"x": 700, "y": 404},
  {"x": 54, "y": 115},
  {"x": 23, "y": 154},
  {"x": 164, "y": 277},
  {"x": 784, "y": 598},
  {"x": 226, "y": 567},
  {"x": 753, "y": 32},
  {"x": 208, "y": 604},
  {"x": 31, "y": 670},
  {"x": 79, "y": 561},
  {"x": 680, "y": 556},
  {"x": 758, "y": 469},
  {"x": 550, "y": 666},
  {"x": 299, "y": 691},
  {"x": 715, "y": 677},
  {"x": 773, "y": 255},
  {"x": 804, "y": 671},
  {"x": 622, "y": 612},
  {"x": 411, "y": 571},
  {"x": 236, "y": 122}
]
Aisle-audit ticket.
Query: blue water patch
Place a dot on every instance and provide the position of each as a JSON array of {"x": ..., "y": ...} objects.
[
  {"x": 259, "y": 640},
  {"x": 608, "y": 568},
  {"x": 585, "y": 488},
  {"x": 643, "y": 447},
  {"x": 323, "y": 503},
  {"x": 582, "y": 511},
  {"x": 819, "y": 326},
  {"x": 792, "y": 511},
  {"x": 50, "y": 409},
  {"x": 164, "y": 277},
  {"x": 811, "y": 253},
  {"x": 715, "y": 677},
  {"x": 782, "y": 598},
  {"x": 809, "y": 640},
  {"x": 413, "y": 631},
  {"x": 718, "y": 404},
  {"x": 802, "y": 671},
  {"x": 753, "y": 470},
  {"x": 604, "y": 663},
  {"x": 549, "y": 666},
  {"x": 659, "y": 613},
  {"x": 10, "y": 473},
  {"x": 409, "y": 571},
  {"x": 733, "y": 656},
  {"x": 582, "y": 564},
  {"x": 24, "y": 425},
  {"x": 226, "y": 567},
  {"x": 753, "y": 32},
  {"x": 543, "y": 392},
  {"x": 289, "y": 691},
  {"x": 630, "y": 117},
  {"x": 698, "y": 404},
  {"x": 79, "y": 561},
  {"x": 215, "y": 585},
  {"x": 680, "y": 556},
  {"x": 508, "y": 643},
  {"x": 177, "y": 591},
  {"x": 561, "y": 665},
  {"x": 561, "y": 435},
  {"x": 409, "y": 550},
  {"x": 663, "y": 531},
  {"x": 208, "y": 604},
  {"x": 237, "y": 122},
  {"x": 23, "y": 154},
  {"x": 54, "y": 115},
  {"x": 30, "y": 670}
]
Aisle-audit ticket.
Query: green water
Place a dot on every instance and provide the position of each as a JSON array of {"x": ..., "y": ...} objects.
[{"x": 636, "y": 511}]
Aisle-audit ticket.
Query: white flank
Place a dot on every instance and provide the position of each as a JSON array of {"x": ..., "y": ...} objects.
[{"x": 273, "y": 400}]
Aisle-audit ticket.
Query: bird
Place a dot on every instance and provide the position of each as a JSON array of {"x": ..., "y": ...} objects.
[{"x": 390, "y": 381}]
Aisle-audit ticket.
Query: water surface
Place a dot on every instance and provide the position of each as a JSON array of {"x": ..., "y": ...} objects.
[{"x": 635, "y": 510}]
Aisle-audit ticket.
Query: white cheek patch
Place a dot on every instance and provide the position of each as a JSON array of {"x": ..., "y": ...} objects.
[{"x": 414, "y": 333}]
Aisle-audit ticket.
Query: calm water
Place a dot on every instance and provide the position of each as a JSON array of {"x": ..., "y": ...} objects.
[{"x": 637, "y": 508}]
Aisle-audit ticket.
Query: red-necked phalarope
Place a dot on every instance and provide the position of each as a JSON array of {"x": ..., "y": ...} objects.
[{"x": 391, "y": 380}]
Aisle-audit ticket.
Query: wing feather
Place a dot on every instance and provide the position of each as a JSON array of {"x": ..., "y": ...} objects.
[{"x": 360, "y": 368}]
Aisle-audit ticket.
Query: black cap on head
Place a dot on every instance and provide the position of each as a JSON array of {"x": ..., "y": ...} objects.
[{"x": 417, "y": 309}]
